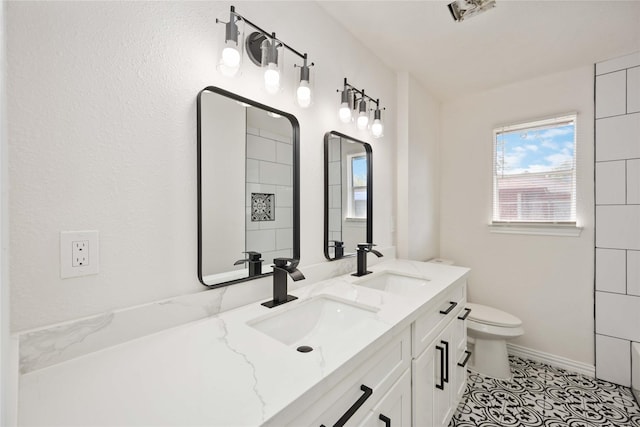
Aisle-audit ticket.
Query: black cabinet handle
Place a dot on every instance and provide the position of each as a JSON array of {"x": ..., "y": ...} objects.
[
  {"x": 446, "y": 363},
  {"x": 441, "y": 385},
  {"x": 466, "y": 359},
  {"x": 464, "y": 316},
  {"x": 385, "y": 420},
  {"x": 367, "y": 392},
  {"x": 451, "y": 307}
]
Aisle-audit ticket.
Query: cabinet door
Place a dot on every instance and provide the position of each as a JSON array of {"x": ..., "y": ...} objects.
[
  {"x": 462, "y": 358},
  {"x": 444, "y": 373},
  {"x": 433, "y": 382},
  {"x": 424, "y": 387},
  {"x": 394, "y": 409}
]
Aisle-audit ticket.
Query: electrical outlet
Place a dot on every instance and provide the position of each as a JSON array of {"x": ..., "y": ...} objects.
[{"x": 78, "y": 253}]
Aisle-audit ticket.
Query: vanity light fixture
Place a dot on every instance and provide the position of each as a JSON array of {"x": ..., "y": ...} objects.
[
  {"x": 377, "y": 127},
  {"x": 363, "y": 115},
  {"x": 231, "y": 51},
  {"x": 303, "y": 92},
  {"x": 265, "y": 50},
  {"x": 463, "y": 9},
  {"x": 360, "y": 104}
]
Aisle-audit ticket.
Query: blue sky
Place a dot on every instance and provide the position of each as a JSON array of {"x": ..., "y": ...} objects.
[{"x": 537, "y": 150}]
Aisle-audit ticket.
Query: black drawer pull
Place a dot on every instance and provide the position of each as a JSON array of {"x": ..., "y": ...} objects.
[
  {"x": 446, "y": 363},
  {"x": 451, "y": 307},
  {"x": 464, "y": 316},
  {"x": 358, "y": 403},
  {"x": 466, "y": 359},
  {"x": 441, "y": 385},
  {"x": 385, "y": 420}
]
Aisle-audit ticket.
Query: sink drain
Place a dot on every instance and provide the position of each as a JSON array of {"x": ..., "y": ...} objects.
[{"x": 304, "y": 349}]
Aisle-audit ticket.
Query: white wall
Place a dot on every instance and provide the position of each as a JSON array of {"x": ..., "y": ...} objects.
[
  {"x": 5, "y": 395},
  {"x": 418, "y": 169},
  {"x": 545, "y": 281},
  {"x": 102, "y": 110}
]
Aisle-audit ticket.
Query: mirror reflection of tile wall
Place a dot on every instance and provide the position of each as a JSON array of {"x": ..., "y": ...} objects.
[{"x": 269, "y": 177}]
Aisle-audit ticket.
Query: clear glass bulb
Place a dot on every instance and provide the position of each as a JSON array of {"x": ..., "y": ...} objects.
[
  {"x": 344, "y": 113},
  {"x": 377, "y": 128},
  {"x": 272, "y": 78},
  {"x": 303, "y": 94},
  {"x": 363, "y": 121}
]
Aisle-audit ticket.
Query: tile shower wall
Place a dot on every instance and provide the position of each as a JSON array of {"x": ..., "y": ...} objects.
[
  {"x": 617, "y": 167},
  {"x": 269, "y": 195},
  {"x": 335, "y": 189}
]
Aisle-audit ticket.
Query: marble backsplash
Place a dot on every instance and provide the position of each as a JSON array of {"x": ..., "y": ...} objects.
[{"x": 50, "y": 345}]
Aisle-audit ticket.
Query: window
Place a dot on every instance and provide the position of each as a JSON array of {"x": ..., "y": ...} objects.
[
  {"x": 534, "y": 179},
  {"x": 357, "y": 198}
]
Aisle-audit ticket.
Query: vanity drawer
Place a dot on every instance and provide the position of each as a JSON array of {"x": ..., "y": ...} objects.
[
  {"x": 362, "y": 389},
  {"x": 429, "y": 325}
]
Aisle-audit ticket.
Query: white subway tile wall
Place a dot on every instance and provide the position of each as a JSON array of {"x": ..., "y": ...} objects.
[
  {"x": 612, "y": 360},
  {"x": 611, "y": 94},
  {"x": 610, "y": 270},
  {"x": 611, "y": 183},
  {"x": 617, "y": 149},
  {"x": 633, "y": 90},
  {"x": 633, "y": 273},
  {"x": 270, "y": 171}
]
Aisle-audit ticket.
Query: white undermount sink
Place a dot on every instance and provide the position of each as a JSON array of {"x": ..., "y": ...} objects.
[
  {"x": 392, "y": 282},
  {"x": 320, "y": 321}
]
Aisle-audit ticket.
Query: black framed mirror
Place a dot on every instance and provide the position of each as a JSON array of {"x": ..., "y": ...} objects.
[
  {"x": 348, "y": 200},
  {"x": 248, "y": 187}
]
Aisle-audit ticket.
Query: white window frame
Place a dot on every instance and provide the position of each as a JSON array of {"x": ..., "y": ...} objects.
[{"x": 565, "y": 228}]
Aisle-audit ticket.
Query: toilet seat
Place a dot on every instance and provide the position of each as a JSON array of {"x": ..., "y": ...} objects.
[{"x": 481, "y": 314}]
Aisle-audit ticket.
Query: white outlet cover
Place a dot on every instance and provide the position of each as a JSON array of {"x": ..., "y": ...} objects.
[{"x": 66, "y": 250}]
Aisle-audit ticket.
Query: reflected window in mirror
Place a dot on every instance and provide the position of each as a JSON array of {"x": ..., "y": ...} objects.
[
  {"x": 248, "y": 197},
  {"x": 348, "y": 202}
]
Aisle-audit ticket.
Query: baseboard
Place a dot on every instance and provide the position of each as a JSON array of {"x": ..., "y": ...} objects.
[{"x": 552, "y": 359}]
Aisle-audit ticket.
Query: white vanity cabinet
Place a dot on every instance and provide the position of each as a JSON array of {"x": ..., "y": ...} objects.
[
  {"x": 439, "y": 338},
  {"x": 374, "y": 385},
  {"x": 394, "y": 409}
]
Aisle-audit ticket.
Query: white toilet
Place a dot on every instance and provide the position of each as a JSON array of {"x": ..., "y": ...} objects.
[{"x": 489, "y": 329}]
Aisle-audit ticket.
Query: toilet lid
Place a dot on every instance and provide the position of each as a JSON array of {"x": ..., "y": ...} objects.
[{"x": 492, "y": 316}]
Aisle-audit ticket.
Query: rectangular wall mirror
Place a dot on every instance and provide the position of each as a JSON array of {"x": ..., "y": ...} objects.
[
  {"x": 248, "y": 187},
  {"x": 348, "y": 202}
]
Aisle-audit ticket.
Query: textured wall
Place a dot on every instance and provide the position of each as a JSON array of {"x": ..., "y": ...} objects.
[
  {"x": 546, "y": 281},
  {"x": 102, "y": 135}
]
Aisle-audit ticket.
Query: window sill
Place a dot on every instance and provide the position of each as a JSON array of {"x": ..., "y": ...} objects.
[{"x": 568, "y": 230}]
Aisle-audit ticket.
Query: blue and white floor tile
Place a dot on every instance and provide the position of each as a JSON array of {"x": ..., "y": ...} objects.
[{"x": 543, "y": 395}]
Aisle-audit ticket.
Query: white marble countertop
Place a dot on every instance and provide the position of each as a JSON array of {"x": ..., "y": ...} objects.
[{"x": 219, "y": 371}]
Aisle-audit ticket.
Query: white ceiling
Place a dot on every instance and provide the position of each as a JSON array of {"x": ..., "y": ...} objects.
[{"x": 515, "y": 41}]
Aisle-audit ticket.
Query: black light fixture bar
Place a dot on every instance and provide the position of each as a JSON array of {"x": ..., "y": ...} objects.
[
  {"x": 265, "y": 33},
  {"x": 361, "y": 93}
]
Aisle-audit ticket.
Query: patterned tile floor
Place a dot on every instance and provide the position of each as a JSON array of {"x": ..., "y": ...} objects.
[{"x": 542, "y": 395}]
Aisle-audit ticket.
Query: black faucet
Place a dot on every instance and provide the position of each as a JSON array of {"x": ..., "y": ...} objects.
[
  {"x": 255, "y": 263},
  {"x": 283, "y": 267},
  {"x": 338, "y": 251},
  {"x": 363, "y": 248}
]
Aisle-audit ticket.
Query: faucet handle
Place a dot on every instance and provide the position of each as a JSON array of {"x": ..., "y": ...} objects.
[
  {"x": 365, "y": 246},
  {"x": 337, "y": 243},
  {"x": 282, "y": 263},
  {"x": 253, "y": 256}
]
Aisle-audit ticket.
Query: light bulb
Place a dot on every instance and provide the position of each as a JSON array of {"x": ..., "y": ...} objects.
[
  {"x": 230, "y": 60},
  {"x": 303, "y": 94},
  {"x": 377, "y": 128},
  {"x": 345, "y": 112},
  {"x": 272, "y": 78},
  {"x": 363, "y": 121}
]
